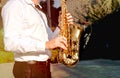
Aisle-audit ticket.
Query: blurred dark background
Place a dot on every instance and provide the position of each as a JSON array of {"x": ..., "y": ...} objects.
[{"x": 104, "y": 42}]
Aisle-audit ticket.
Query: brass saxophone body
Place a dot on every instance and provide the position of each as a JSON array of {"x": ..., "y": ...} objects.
[{"x": 72, "y": 32}]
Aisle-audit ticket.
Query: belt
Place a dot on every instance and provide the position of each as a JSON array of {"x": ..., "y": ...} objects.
[
  {"x": 34, "y": 62},
  {"x": 31, "y": 62}
]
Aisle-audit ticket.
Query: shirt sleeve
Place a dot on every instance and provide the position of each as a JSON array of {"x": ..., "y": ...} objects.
[{"x": 15, "y": 39}]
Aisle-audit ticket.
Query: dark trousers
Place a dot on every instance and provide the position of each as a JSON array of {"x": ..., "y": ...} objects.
[{"x": 32, "y": 70}]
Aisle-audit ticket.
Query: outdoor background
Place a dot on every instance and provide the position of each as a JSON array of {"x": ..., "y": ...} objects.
[
  {"x": 4, "y": 56},
  {"x": 100, "y": 58}
]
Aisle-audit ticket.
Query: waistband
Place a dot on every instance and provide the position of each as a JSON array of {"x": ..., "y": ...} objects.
[{"x": 33, "y": 62}]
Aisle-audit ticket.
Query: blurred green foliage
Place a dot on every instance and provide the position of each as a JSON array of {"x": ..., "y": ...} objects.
[{"x": 5, "y": 57}]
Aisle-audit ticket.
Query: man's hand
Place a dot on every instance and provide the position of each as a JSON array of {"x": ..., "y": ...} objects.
[
  {"x": 58, "y": 42},
  {"x": 68, "y": 17}
]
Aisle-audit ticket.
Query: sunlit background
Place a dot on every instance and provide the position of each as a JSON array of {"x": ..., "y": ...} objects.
[{"x": 99, "y": 59}]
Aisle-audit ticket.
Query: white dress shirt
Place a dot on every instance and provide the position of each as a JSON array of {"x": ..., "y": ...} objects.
[{"x": 26, "y": 31}]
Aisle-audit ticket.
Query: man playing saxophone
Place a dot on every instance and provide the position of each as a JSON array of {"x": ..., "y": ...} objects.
[{"x": 27, "y": 34}]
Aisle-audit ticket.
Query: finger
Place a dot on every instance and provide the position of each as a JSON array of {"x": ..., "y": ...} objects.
[
  {"x": 70, "y": 21},
  {"x": 63, "y": 40},
  {"x": 61, "y": 45},
  {"x": 64, "y": 43},
  {"x": 69, "y": 16}
]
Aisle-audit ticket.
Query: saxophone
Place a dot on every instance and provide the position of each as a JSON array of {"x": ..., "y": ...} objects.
[{"x": 72, "y": 32}]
